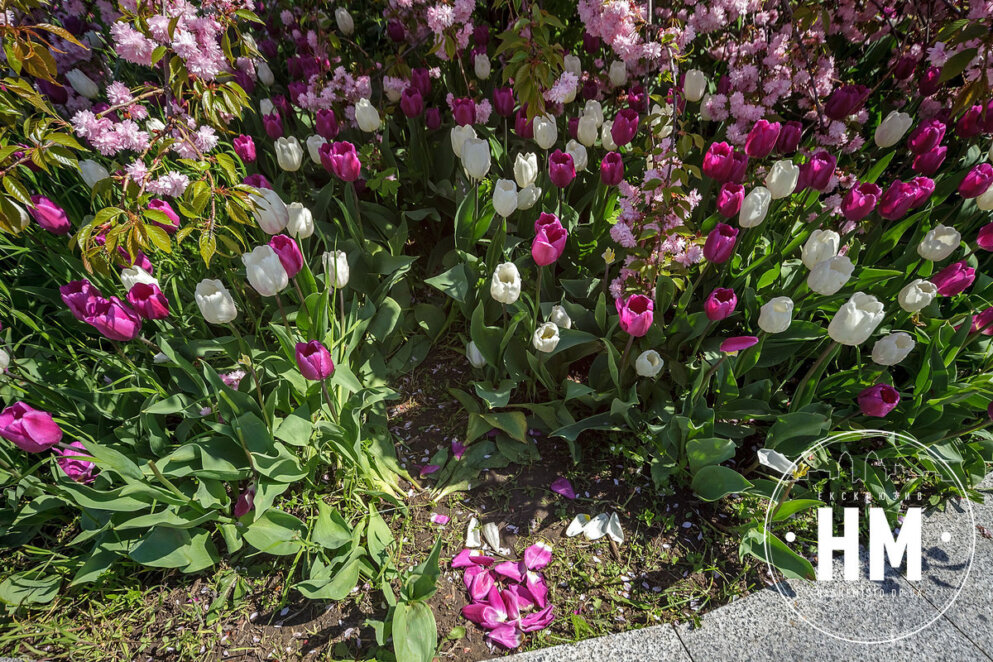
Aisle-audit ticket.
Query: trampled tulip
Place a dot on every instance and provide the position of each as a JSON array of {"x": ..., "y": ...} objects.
[
  {"x": 929, "y": 163},
  {"x": 546, "y": 337},
  {"x": 648, "y": 364},
  {"x": 77, "y": 295},
  {"x": 636, "y": 314},
  {"x": 148, "y": 301},
  {"x": 954, "y": 279},
  {"x": 411, "y": 101},
  {"x": 289, "y": 153},
  {"x": 503, "y": 101},
  {"x": 782, "y": 179},
  {"x": 561, "y": 168},
  {"x": 917, "y": 295},
  {"x": 729, "y": 199},
  {"x": 526, "y": 169},
  {"x": 458, "y": 135},
  {"x": 244, "y": 147},
  {"x": 270, "y": 211},
  {"x": 976, "y": 182},
  {"x": 720, "y": 303},
  {"x": 625, "y": 127},
  {"x": 856, "y": 320},
  {"x": 476, "y": 158},
  {"x": 762, "y": 139},
  {"x": 342, "y": 159},
  {"x": 476, "y": 358},
  {"x": 314, "y": 360},
  {"x": 464, "y": 111},
  {"x": 92, "y": 172},
  {"x": 49, "y": 215},
  {"x": 548, "y": 245},
  {"x": 893, "y": 348},
  {"x": 720, "y": 243},
  {"x": 560, "y": 317},
  {"x": 265, "y": 271},
  {"x": 754, "y": 207},
  {"x": 694, "y": 85},
  {"x": 821, "y": 245},
  {"x": 336, "y": 268},
  {"x": 892, "y": 128},
  {"x": 74, "y": 464},
  {"x": 845, "y": 101},
  {"x": 789, "y": 138},
  {"x": 578, "y": 154},
  {"x": 273, "y": 125},
  {"x": 30, "y": 429},
  {"x": 612, "y": 169},
  {"x": 878, "y": 401},
  {"x": 505, "y": 286},
  {"x": 165, "y": 208},
  {"x": 366, "y": 116},
  {"x": 926, "y": 136},
  {"x": 326, "y": 124},
  {"x": 134, "y": 275},
  {"x": 288, "y": 252},
  {"x": 718, "y": 161},
  {"x": 829, "y": 276},
  {"x": 113, "y": 319},
  {"x": 860, "y": 201},
  {"x": 546, "y": 132},
  {"x": 505, "y": 197},
  {"x": 939, "y": 243},
  {"x": 776, "y": 315}
]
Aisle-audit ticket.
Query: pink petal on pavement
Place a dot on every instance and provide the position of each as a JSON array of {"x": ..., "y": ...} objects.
[
  {"x": 538, "y": 556},
  {"x": 429, "y": 469},
  {"x": 564, "y": 487},
  {"x": 506, "y": 635},
  {"x": 438, "y": 518},
  {"x": 738, "y": 343},
  {"x": 511, "y": 570}
]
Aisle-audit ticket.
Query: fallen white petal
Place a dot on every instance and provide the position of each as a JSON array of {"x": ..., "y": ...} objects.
[
  {"x": 596, "y": 528},
  {"x": 491, "y": 534},
  {"x": 576, "y": 525},
  {"x": 472, "y": 534},
  {"x": 614, "y": 529}
]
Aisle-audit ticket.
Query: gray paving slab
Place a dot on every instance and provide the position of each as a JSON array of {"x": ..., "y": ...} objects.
[{"x": 652, "y": 644}]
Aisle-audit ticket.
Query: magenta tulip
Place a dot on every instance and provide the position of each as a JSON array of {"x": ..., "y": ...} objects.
[
  {"x": 395, "y": 30},
  {"x": 77, "y": 295},
  {"x": 926, "y": 136},
  {"x": 636, "y": 313},
  {"x": 718, "y": 161},
  {"x": 432, "y": 118},
  {"x": 928, "y": 163},
  {"x": 314, "y": 360},
  {"x": 49, "y": 215},
  {"x": 244, "y": 147},
  {"x": 273, "y": 124},
  {"x": 546, "y": 221},
  {"x": 464, "y": 111},
  {"x": 930, "y": 82},
  {"x": 411, "y": 102},
  {"x": 625, "y": 127},
  {"x": 738, "y": 344},
  {"x": 739, "y": 167},
  {"x": 845, "y": 101},
  {"x": 148, "y": 301},
  {"x": 954, "y": 279},
  {"x": 729, "y": 199},
  {"x": 288, "y": 252},
  {"x": 904, "y": 67},
  {"x": 612, "y": 169},
  {"x": 720, "y": 304},
  {"x": 817, "y": 172},
  {"x": 878, "y": 401},
  {"x": 162, "y": 206},
  {"x": 257, "y": 180},
  {"x": 341, "y": 159},
  {"x": 762, "y": 139},
  {"x": 897, "y": 200},
  {"x": 30, "y": 429},
  {"x": 789, "y": 138},
  {"x": 976, "y": 182},
  {"x": 503, "y": 101},
  {"x": 74, "y": 464},
  {"x": 421, "y": 79},
  {"x": 113, "y": 319},
  {"x": 548, "y": 245},
  {"x": 984, "y": 239},
  {"x": 326, "y": 124},
  {"x": 923, "y": 188},
  {"x": 860, "y": 201},
  {"x": 561, "y": 169},
  {"x": 720, "y": 243},
  {"x": 970, "y": 124}
]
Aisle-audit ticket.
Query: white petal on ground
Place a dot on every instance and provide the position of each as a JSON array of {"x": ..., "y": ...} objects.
[
  {"x": 472, "y": 534},
  {"x": 597, "y": 527},
  {"x": 614, "y": 529},
  {"x": 576, "y": 525}
]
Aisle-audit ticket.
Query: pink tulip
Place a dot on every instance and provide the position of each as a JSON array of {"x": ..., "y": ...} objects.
[
  {"x": 72, "y": 463},
  {"x": 926, "y": 136},
  {"x": 984, "y": 239},
  {"x": 860, "y": 201},
  {"x": 845, "y": 101},
  {"x": 30, "y": 429},
  {"x": 113, "y": 319},
  {"x": 148, "y": 301},
  {"x": 547, "y": 221},
  {"x": 341, "y": 159},
  {"x": 738, "y": 344},
  {"x": 314, "y": 360},
  {"x": 561, "y": 169},
  {"x": 77, "y": 295},
  {"x": 954, "y": 279},
  {"x": 244, "y": 147},
  {"x": 411, "y": 102},
  {"x": 288, "y": 252},
  {"x": 789, "y": 138},
  {"x": 548, "y": 245},
  {"x": 49, "y": 215},
  {"x": 625, "y": 127},
  {"x": 503, "y": 101},
  {"x": 977, "y": 181},
  {"x": 636, "y": 313},
  {"x": 720, "y": 243},
  {"x": 326, "y": 124},
  {"x": 878, "y": 401},
  {"x": 762, "y": 139},
  {"x": 718, "y": 161},
  {"x": 464, "y": 111},
  {"x": 162, "y": 206},
  {"x": 923, "y": 187},
  {"x": 928, "y": 163},
  {"x": 612, "y": 169},
  {"x": 720, "y": 304},
  {"x": 729, "y": 199},
  {"x": 273, "y": 124},
  {"x": 897, "y": 200}
]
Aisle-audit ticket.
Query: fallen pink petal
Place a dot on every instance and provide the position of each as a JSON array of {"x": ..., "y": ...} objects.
[
  {"x": 564, "y": 487},
  {"x": 438, "y": 518}
]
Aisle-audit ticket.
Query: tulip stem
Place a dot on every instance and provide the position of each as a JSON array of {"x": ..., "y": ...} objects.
[
  {"x": 327, "y": 398},
  {"x": 537, "y": 299},
  {"x": 243, "y": 346},
  {"x": 624, "y": 356},
  {"x": 282, "y": 312},
  {"x": 165, "y": 481},
  {"x": 817, "y": 364},
  {"x": 969, "y": 430}
]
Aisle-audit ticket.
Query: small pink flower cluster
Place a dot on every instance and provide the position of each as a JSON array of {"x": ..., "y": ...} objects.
[{"x": 509, "y": 598}]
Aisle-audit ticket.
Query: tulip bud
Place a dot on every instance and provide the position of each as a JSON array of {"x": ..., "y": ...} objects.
[
  {"x": 720, "y": 303},
  {"x": 891, "y": 129},
  {"x": 82, "y": 83},
  {"x": 612, "y": 169},
  {"x": 954, "y": 279},
  {"x": 984, "y": 201},
  {"x": 917, "y": 295},
  {"x": 607, "y": 140},
  {"x": 845, "y": 101},
  {"x": 573, "y": 65},
  {"x": 265, "y": 271},
  {"x": 30, "y": 429},
  {"x": 336, "y": 269},
  {"x": 289, "y": 254},
  {"x": 344, "y": 20},
  {"x": 720, "y": 243},
  {"x": 526, "y": 169},
  {"x": 578, "y": 154},
  {"x": 77, "y": 295},
  {"x": 939, "y": 243},
  {"x": 897, "y": 200},
  {"x": 545, "y": 131},
  {"x": 754, "y": 207},
  {"x": 548, "y": 245},
  {"x": 244, "y": 147},
  {"x": 505, "y": 286},
  {"x": 481, "y": 66},
  {"x": 560, "y": 317},
  {"x": 878, "y": 401},
  {"x": 245, "y": 502},
  {"x": 856, "y": 320},
  {"x": 782, "y": 179},
  {"x": 476, "y": 358},
  {"x": 830, "y": 275},
  {"x": 648, "y": 364},
  {"x": 314, "y": 360},
  {"x": 300, "y": 222},
  {"x": 458, "y": 136},
  {"x": 314, "y": 143},
  {"x": 546, "y": 337},
  {"x": 289, "y": 153},
  {"x": 776, "y": 315},
  {"x": 522, "y": 125},
  {"x": 503, "y": 101},
  {"x": 694, "y": 85},
  {"x": 789, "y": 137},
  {"x": 411, "y": 102},
  {"x": 718, "y": 161},
  {"x": 148, "y": 301},
  {"x": 464, "y": 111},
  {"x": 134, "y": 275},
  {"x": 729, "y": 199},
  {"x": 762, "y": 139},
  {"x": 561, "y": 169},
  {"x": 366, "y": 116},
  {"x": 49, "y": 215},
  {"x": 273, "y": 124},
  {"x": 904, "y": 67},
  {"x": 618, "y": 73},
  {"x": 624, "y": 128},
  {"x": 892, "y": 349},
  {"x": 264, "y": 73},
  {"x": 395, "y": 31},
  {"x": 527, "y": 197},
  {"x": 113, "y": 319},
  {"x": 92, "y": 172},
  {"x": 476, "y": 157},
  {"x": 817, "y": 171},
  {"x": 926, "y": 136},
  {"x": 215, "y": 302},
  {"x": 505, "y": 197},
  {"x": 270, "y": 211},
  {"x": 821, "y": 245}
]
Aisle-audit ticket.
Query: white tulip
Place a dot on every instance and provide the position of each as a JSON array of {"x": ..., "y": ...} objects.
[
  {"x": 704, "y": 109},
  {"x": 546, "y": 337},
  {"x": 134, "y": 275},
  {"x": 660, "y": 120},
  {"x": 4, "y": 360},
  {"x": 264, "y": 73},
  {"x": 154, "y": 125},
  {"x": 694, "y": 85},
  {"x": 266, "y": 107},
  {"x": 336, "y": 268},
  {"x": 526, "y": 169},
  {"x": 505, "y": 286},
  {"x": 776, "y": 315},
  {"x": 458, "y": 136},
  {"x": 618, "y": 73},
  {"x": 856, "y": 320},
  {"x": 985, "y": 199},
  {"x": 572, "y": 64},
  {"x": 892, "y": 349},
  {"x": 606, "y": 139},
  {"x": 545, "y": 131},
  {"x": 821, "y": 245},
  {"x": 215, "y": 302},
  {"x": 578, "y": 154},
  {"x": 481, "y": 66},
  {"x": 917, "y": 295},
  {"x": 366, "y": 116},
  {"x": 92, "y": 172},
  {"x": 595, "y": 110},
  {"x": 830, "y": 275},
  {"x": 754, "y": 207},
  {"x": 265, "y": 271},
  {"x": 505, "y": 197},
  {"x": 476, "y": 158},
  {"x": 314, "y": 148},
  {"x": 587, "y": 130},
  {"x": 289, "y": 153},
  {"x": 939, "y": 243},
  {"x": 344, "y": 20},
  {"x": 782, "y": 178},
  {"x": 270, "y": 211},
  {"x": 300, "y": 221},
  {"x": 891, "y": 130},
  {"x": 560, "y": 318},
  {"x": 475, "y": 357},
  {"x": 648, "y": 364},
  {"x": 527, "y": 197},
  {"x": 82, "y": 83}
]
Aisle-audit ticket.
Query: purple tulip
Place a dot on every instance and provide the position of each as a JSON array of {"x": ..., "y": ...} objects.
[
  {"x": 341, "y": 159},
  {"x": 817, "y": 172},
  {"x": 561, "y": 169},
  {"x": 985, "y": 237},
  {"x": 72, "y": 463},
  {"x": 395, "y": 31},
  {"x": 257, "y": 180},
  {"x": 636, "y": 313},
  {"x": 314, "y": 360},
  {"x": 969, "y": 125},
  {"x": 288, "y": 252},
  {"x": 77, "y": 295},
  {"x": 326, "y": 124},
  {"x": 164, "y": 207},
  {"x": 904, "y": 67},
  {"x": 987, "y": 122},
  {"x": 739, "y": 167},
  {"x": 503, "y": 101},
  {"x": 244, "y": 147},
  {"x": 546, "y": 221},
  {"x": 845, "y": 101},
  {"x": 928, "y": 163},
  {"x": 464, "y": 111},
  {"x": 976, "y": 182},
  {"x": 591, "y": 44},
  {"x": 421, "y": 79},
  {"x": 860, "y": 201},
  {"x": 637, "y": 99},
  {"x": 481, "y": 35},
  {"x": 148, "y": 301},
  {"x": 411, "y": 102},
  {"x": 929, "y": 82},
  {"x": 789, "y": 138},
  {"x": 612, "y": 169},
  {"x": 762, "y": 139},
  {"x": 954, "y": 279},
  {"x": 926, "y": 136},
  {"x": 573, "y": 127},
  {"x": 729, "y": 199},
  {"x": 273, "y": 124},
  {"x": 548, "y": 245},
  {"x": 625, "y": 127},
  {"x": 295, "y": 89},
  {"x": 590, "y": 89},
  {"x": 113, "y": 319},
  {"x": 523, "y": 127},
  {"x": 245, "y": 502},
  {"x": 897, "y": 200},
  {"x": 718, "y": 161},
  {"x": 720, "y": 243},
  {"x": 30, "y": 429},
  {"x": 55, "y": 92},
  {"x": 49, "y": 215},
  {"x": 720, "y": 304},
  {"x": 923, "y": 188},
  {"x": 878, "y": 401}
]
